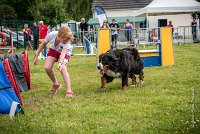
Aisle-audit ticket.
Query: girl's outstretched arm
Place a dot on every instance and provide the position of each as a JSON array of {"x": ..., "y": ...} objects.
[{"x": 38, "y": 52}]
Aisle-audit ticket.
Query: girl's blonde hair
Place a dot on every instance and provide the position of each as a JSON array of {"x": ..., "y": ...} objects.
[{"x": 65, "y": 34}]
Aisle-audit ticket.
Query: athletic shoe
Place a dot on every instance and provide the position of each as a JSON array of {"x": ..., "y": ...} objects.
[
  {"x": 69, "y": 94},
  {"x": 55, "y": 88}
]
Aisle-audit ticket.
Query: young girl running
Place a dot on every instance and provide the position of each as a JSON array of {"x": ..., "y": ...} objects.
[{"x": 60, "y": 50}]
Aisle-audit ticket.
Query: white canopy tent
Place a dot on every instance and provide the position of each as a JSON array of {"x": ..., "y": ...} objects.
[
  {"x": 177, "y": 11},
  {"x": 169, "y": 6}
]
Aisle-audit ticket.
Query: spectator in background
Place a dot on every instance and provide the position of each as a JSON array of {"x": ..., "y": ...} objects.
[
  {"x": 84, "y": 26},
  {"x": 171, "y": 26},
  {"x": 27, "y": 37},
  {"x": 43, "y": 30},
  {"x": 35, "y": 31},
  {"x": 194, "y": 29},
  {"x": 84, "y": 29},
  {"x": 154, "y": 36},
  {"x": 128, "y": 31},
  {"x": 105, "y": 24},
  {"x": 114, "y": 32}
]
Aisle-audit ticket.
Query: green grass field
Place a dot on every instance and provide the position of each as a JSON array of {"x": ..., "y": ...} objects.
[{"x": 162, "y": 105}]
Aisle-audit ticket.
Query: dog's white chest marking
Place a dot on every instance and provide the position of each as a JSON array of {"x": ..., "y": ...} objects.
[{"x": 113, "y": 74}]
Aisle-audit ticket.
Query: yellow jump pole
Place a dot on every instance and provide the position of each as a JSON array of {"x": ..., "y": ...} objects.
[
  {"x": 167, "y": 55},
  {"x": 104, "y": 41}
]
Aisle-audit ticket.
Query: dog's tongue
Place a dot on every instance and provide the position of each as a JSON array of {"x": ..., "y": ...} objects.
[{"x": 101, "y": 71}]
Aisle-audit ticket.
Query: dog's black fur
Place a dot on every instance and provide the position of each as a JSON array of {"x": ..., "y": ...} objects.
[{"x": 121, "y": 62}]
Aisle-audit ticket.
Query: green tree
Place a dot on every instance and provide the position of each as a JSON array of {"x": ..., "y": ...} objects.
[
  {"x": 52, "y": 12},
  {"x": 74, "y": 9},
  {"x": 78, "y": 9},
  {"x": 21, "y": 7},
  {"x": 7, "y": 12}
]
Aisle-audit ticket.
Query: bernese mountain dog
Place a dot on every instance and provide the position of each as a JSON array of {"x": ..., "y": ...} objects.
[{"x": 121, "y": 63}]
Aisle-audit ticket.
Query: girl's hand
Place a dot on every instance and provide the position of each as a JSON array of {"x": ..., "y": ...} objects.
[
  {"x": 61, "y": 67},
  {"x": 35, "y": 60}
]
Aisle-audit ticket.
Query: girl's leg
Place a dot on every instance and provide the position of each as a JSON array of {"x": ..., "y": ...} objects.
[
  {"x": 66, "y": 79},
  {"x": 49, "y": 69},
  {"x": 116, "y": 36}
]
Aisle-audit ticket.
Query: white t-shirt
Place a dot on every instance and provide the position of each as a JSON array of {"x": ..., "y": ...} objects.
[{"x": 51, "y": 37}]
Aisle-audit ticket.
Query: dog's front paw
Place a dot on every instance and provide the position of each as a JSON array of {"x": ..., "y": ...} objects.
[
  {"x": 133, "y": 85},
  {"x": 123, "y": 87},
  {"x": 142, "y": 82},
  {"x": 102, "y": 87}
]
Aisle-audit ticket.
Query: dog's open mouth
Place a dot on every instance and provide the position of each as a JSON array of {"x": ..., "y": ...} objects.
[
  {"x": 102, "y": 69},
  {"x": 105, "y": 69}
]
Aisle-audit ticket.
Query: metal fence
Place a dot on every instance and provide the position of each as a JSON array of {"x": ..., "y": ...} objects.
[
  {"x": 85, "y": 43},
  {"x": 149, "y": 36},
  {"x": 136, "y": 37},
  {"x": 186, "y": 34}
]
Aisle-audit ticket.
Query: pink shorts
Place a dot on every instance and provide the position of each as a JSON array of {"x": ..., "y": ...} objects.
[{"x": 56, "y": 54}]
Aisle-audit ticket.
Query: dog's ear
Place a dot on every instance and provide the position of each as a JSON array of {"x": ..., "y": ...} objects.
[{"x": 100, "y": 57}]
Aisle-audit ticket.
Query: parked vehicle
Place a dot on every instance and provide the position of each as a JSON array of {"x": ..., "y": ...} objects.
[
  {"x": 18, "y": 40},
  {"x": 16, "y": 43}
]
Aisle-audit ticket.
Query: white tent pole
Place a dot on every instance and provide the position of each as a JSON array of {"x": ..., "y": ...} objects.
[
  {"x": 147, "y": 26},
  {"x": 133, "y": 22},
  {"x": 147, "y": 20}
]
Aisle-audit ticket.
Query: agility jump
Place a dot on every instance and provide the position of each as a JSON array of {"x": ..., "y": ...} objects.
[{"x": 162, "y": 56}]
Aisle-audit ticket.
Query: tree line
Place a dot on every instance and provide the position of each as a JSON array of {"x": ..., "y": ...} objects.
[{"x": 52, "y": 12}]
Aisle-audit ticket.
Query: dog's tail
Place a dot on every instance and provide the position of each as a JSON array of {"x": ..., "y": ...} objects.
[{"x": 134, "y": 52}]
